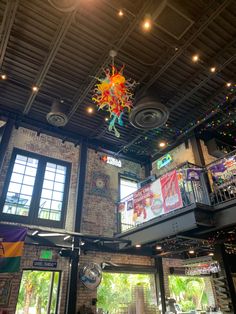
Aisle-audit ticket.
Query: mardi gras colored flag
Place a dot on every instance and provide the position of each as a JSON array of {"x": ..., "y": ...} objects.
[{"x": 11, "y": 247}]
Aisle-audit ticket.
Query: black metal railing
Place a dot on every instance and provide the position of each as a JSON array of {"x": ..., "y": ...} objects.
[
  {"x": 222, "y": 177},
  {"x": 192, "y": 191},
  {"x": 216, "y": 184}
]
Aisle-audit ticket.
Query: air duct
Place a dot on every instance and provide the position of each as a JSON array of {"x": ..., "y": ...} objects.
[
  {"x": 64, "y": 5},
  {"x": 148, "y": 113},
  {"x": 57, "y": 116}
]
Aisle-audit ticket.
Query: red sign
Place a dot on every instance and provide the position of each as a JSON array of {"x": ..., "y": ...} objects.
[
  {"x": 171, "y": 192},
  {"x": 142, "y": 199}
]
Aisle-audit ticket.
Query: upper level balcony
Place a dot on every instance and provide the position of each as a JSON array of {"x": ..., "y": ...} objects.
[{"x": 186, "y": 198}]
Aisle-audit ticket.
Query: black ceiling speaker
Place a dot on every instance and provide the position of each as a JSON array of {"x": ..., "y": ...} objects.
[
  {"x": 64, "y": 5},
  {"x": 148, "y": 113},
  {"x": 57, "y": 116}
]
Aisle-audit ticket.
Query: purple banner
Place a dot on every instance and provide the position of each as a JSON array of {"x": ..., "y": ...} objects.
[
  {"x": 12, "y": 233},
  {"x": 193, "y": 174}
]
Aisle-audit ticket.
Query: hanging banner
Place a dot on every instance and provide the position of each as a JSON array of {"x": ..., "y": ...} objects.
[
  {"x": 223, "y": 171},
  {"x": 171, "y": 192},
  {"x": 193, "y": 174},
  {"x": 11, "y": 248},
  {"x": 151, "y": 201}
]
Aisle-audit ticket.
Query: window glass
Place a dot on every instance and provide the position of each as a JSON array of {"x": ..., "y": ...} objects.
[
  {"x": 127, "y": 187},
  {"x": 130, "y": 292},
  {"x": 44, "y": 198},
  {"x": 52, "y": 192},
  {"x": 20, "y": 189}
]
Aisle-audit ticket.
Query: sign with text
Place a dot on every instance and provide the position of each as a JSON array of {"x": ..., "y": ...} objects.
[
  {"x": 171, "y": 192},
  {"x": 151, "y": 201},
  {"x": 45, "y": 264},
  {"x": 111, "y": 161}
]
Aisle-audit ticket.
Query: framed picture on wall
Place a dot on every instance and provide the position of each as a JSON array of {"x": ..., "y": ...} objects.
[{"x": 5, "y": 288}]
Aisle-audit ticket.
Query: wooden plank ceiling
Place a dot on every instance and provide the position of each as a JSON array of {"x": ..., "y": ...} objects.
[{"x": 62, "y": 53}]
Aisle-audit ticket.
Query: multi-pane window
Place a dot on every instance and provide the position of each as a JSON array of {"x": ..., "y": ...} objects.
[
  {"x": 52, "y": 192},
  {"x": 127, "y": 187},
  {"x": 36, "y": 189}
]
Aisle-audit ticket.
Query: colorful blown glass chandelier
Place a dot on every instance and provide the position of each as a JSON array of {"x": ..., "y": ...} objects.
[{"x": 114, "y": 94}]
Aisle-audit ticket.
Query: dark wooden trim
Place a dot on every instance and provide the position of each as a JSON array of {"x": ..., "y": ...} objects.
[
  {"x": 5, "y": 140},
  {"x": 229, "y": 277},
  {"x": 81, "y": 185},
  {"x": 61, "y": 133},
  {"x": 72, "y": 283},
  {"x": 160, "y": 283},
  {"x": 148, "y": 167},
  {"x": 197, "y": 151},
  {"x": 32, "y": 218}
]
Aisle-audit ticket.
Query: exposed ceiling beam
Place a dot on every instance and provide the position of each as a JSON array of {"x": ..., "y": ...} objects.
[
  {"x": 64, "y": 135},
  {"x": 80, "y": 97},
  {"x": 202, "y": 83},
  {"x": 202, "y": 24},
  {"x": 6, "y": 26},
  {"x": 210, "y": 115},
  {"x": 55, "y": 45}
]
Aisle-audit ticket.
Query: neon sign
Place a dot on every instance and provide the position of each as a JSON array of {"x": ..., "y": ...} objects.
[{"x": 165, "y": 160}]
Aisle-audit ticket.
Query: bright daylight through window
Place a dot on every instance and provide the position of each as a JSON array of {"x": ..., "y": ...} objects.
[
  {"x": 127, "y": 187},
  {"x": 37, "y": 188}
]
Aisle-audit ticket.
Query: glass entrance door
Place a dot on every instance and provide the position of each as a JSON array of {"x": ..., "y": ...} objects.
[{"x": 38, "y": 292}]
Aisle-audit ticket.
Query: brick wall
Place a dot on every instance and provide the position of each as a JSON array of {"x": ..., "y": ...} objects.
[
  {"x": 207, "y": 157},
  {"x": 85, "y": 296},
  {"x": 32, "y": 253},
  {"x": 99, "y": 211},
  {"x": 48, "y": 146},
  {"x": 179, "y": 154}
]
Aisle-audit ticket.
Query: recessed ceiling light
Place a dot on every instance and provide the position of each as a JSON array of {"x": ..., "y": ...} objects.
[
  {"x": 191, "y": 251},
  {"x": 213, "y": 69},
  {"x": 138, "y": 245},
  {"x": 120, "y": 13},
  {"x": 90, "y": 110},
  {"x": 211, "y": 254},
  {"x": 147, "y": 24},
  {"x": 162, "y": 144},
  {"x": 158, "y": 247},
  {"x": 35, "y": 88},
  {"x": 3, "y": 76},
  {"x": 195, "y": 58},
  {"x": 228, "y": 84},
  {"x": 106, "y": 119}
]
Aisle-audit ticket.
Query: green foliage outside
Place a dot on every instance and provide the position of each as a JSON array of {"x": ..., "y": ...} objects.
[
  {"x": 115, "y": 291},
  {"x": 34, "y": 292},
  {"x": 189, "y": 292}
]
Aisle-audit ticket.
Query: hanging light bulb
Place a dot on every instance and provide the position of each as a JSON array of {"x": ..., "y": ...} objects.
[{"x": 120, "y": 13}]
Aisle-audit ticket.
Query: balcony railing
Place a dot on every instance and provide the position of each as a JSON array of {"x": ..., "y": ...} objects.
[
  {"x": 222, "y": 177},
  {"x": 186, "y": 185},
  {"x": 174, "y": 190}
]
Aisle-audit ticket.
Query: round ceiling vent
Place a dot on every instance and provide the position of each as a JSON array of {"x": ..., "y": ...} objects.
[
  {"x": 57, "y": 115},
  {"x": 64, "y": 5},
  {"x": 148, "y": 114}
]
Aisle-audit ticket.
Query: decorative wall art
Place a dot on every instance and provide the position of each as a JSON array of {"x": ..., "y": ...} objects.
[
  {"x": 5, "y": 288},
  {"x": 100, "y": 184}
]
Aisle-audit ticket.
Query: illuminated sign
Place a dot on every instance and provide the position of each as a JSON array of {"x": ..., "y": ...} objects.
[
  {"x": 111, "y": 161},
  {"x": 46, "y": 254},
  {"x": 165, "y": 160}
]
